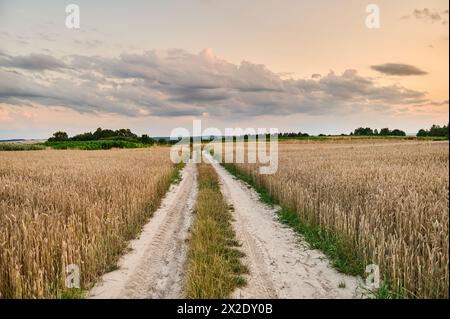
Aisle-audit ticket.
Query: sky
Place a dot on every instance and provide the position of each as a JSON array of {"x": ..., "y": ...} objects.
[{"x": 152, "y": 66}]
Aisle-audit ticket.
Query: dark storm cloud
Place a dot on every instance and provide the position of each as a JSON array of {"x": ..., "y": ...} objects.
[{"x": 399, "y": 69}]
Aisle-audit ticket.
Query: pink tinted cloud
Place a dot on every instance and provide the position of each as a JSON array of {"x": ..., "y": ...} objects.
[{"x": 4, "y": 115}]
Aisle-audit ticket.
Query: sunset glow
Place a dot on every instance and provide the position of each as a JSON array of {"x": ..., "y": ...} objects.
[{"x": 305, "y": 66}]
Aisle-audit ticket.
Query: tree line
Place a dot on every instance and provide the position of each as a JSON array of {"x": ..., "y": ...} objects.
[
  {"x": 103, "y": 134},
  {"x": 367, "y": 131},
  {"x": 127, "y": 135},
  {"x": 435, "y": 131}
]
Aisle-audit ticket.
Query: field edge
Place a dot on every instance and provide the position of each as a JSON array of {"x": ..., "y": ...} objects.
[{"x": 331, "y": 244}]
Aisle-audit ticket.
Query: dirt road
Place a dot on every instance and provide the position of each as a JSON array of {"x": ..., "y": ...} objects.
[
  {"x": 281, "y": 264},
  {"x": 154, "y": 267}
]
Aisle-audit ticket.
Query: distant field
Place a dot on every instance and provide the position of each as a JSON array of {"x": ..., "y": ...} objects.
[
  {"x": 21, "y": 147},
  {"x": 72, "y": 207},
  {"x": 33, "y": 145},
  {"x": 362, "y": 201},
  {"x": 355, "y": 137},
  {"x": 85, "y": 145},
  {"x": 95, "y": 145}
]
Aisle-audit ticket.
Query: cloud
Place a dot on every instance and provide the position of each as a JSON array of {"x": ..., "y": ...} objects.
[
  {"x": 434, "y": 103},
  {"x": 170, "y": 83},
  {"x": 89, "y": 43},
  {"x": 4, "y": 115},
  {"x": 38, "y": 62},
  {"x": 398, "y": 69},
  {"x": 429, "y": 16}
]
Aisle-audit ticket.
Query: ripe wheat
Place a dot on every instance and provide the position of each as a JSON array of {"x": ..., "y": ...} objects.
[
  {"x": 389, "y": 201},
  {"x": 72, "y": 207}
]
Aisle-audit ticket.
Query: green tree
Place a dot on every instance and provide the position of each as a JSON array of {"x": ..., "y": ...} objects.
[
  {"x": 88, "y": 136},
  {"x": 397, "y": 132},
  {"x": 59, "y": 137},
  {"x": 162, "y": 141},
  {"x": 125, "y": 133},
  {"x": 422, "y": 133},
  {"x": 361, "y": 131},
  {"x": 145, "y": 139},
  {"x": 435, "y": 130},
  {"x": 103, "y": 134}
]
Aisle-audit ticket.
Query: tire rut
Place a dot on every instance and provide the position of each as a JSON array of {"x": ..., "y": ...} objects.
[
  {"x": 280, "y": 261},
  {"x": 155, "y": 266}
]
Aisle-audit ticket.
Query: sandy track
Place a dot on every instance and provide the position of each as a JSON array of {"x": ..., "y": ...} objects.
[
  {"x": 281, "y": 264},
  {"x": 155, "y": 266}
]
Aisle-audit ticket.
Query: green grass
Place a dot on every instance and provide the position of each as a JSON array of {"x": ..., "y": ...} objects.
[
  {"x": 386, "y": 292},
  {"x": 176, "y": 175},
  {"x": 338, "y": 249},
  {"x": 94, "y": 145},
  {"x": 21, "y": 147},
  {"x": 72, "y": 293},
  {"x": 433, "y": 138},
  {"x": 332, "y": 245},
  {"x": 78, "y": 145},
  {"x": 214, "y": 260}
]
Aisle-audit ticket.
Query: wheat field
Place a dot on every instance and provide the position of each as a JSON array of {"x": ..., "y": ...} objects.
[
  {"x": 388, "y": 200},
  {"x": 72, "y": 207}
]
